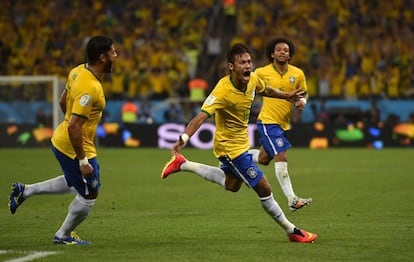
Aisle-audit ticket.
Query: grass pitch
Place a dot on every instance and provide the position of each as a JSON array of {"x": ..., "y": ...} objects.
[{"x": 362, "y": 210}]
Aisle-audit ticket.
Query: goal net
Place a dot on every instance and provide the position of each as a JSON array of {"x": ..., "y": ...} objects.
[{"x": 20, "y": 97}]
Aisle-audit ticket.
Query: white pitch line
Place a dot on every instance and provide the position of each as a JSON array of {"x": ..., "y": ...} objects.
[{"x": 31, "y": 256}]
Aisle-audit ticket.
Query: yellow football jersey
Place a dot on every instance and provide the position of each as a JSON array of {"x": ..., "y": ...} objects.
[
  {"x": 231, "y": 108},
  {"x": 85, "y": 98},
  {"x": 274, "y": 110}
]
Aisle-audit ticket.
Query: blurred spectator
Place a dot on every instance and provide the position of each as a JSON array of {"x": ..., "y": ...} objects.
[
  {"x": 392, "y": 120},
  {"x": 43, "y": 119},
  {"x": 320, "y": 113},
  {"x": 373, "y": 114},
  {"x": 324, "y": 85},
  {"x": 230, "y": 14},
  {"x": 214, "y": 47},
  {"x": 129, "y": 112},
  {"x": 117, "y": 84},
  {"x": 174, "y": 114},
  {"x": 411, "y": 118},
  {"x": 159, "y": 84},
  {"x": 197, "y": 87},
  {"x": 364, "y": 86},
  {"x": 145, "y": 115},
  {"x": 139, "y": 84},
  {"x": 393, "y": 87}
]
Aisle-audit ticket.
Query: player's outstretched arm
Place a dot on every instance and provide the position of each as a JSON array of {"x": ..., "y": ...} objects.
[
  {"x": 191, "y": 128},
  {"x": 290, "y": 96}
]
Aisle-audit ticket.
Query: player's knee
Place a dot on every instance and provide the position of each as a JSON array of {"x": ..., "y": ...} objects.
[
  {"x": 263, "y": 188},
  {"x": 281, "y": 157},
  {"x": 232, "y": 187},
  {"x": 264, "y": 160}
]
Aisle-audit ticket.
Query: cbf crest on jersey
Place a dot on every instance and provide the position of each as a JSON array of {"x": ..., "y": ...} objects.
[
  {"x": 85, "y": 100},
  {"x": 292, "y": 79},
  {"x": 279, "y": 142},
  {"x": 251, "y": 172}
]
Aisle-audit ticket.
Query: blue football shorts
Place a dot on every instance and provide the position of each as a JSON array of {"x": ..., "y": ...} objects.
[
  {"x": 243, "y": 168},
  {"x": 74, "y": 176},
  {"x": 273, "y": 138}
]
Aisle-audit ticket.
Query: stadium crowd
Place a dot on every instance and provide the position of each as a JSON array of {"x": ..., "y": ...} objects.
[
  {"x": 348, "y": 48},
  {"x": 158, "y": 41}
]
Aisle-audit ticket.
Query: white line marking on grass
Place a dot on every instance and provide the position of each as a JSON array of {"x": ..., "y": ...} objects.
[{"x": 31, "y": 256}]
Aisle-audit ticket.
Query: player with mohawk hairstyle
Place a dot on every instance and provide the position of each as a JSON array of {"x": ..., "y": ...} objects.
[{"x": 230, "y": 101}]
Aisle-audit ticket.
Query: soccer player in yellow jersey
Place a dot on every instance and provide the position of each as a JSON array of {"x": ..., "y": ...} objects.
[
  {"x": 273, "y": 121},
  {"x": 230, "y": 102},
  {"x": 82, "y": 102}
]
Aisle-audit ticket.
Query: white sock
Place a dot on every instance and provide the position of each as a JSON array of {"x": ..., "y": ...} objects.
[
  {"x": 255, "y": 154},
  {"x": 273, "y": 209},
  {"x": 282, "y": 176},
  {"x": 57, "y": 185},
  {"x": 212, "y": 174},
  {"x": 78, "y": 211}
]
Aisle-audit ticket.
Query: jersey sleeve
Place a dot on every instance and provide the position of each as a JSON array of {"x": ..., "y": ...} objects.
[
  {"x": 212, "y": 102},
  {"x": 260, "y": 85},
  {"x": 83, "y": 101}
]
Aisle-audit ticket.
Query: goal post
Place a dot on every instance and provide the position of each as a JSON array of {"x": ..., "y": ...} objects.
[{"x": 53, "y": 80}]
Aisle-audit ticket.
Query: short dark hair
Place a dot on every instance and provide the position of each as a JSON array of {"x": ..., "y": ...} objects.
[
  {"x": 96, "y": 46},
  {"x": 236, "y": 49},
  {"x": 270, "y": 48}
]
